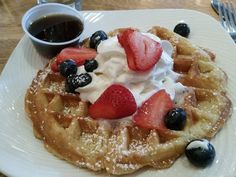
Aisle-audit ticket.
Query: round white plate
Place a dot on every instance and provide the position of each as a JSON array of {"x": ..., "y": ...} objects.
[{"x": 21, "y": 154}]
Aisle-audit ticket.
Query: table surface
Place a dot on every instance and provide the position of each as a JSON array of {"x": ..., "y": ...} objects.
[{"x": 11, "y": 12}]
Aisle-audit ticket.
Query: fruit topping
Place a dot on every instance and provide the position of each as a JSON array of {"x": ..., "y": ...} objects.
[
  {"x": 114, "y": 103},
  {"x": 152, "y": 112},
  {"x": 90, "y": 65},
  {"x": 96, "y": 38},
  {"x": 67, "y": 67},
  {"x": 78, "y": 54},
  {"x": 74, "y": 81},
  {"x": 175, "y": 119},
  {"x": 54, "y": 67},
  {"x": 182, "y": 29},
  {"x": 200, "y": 152},
  {"x": 141, "y": 51}
]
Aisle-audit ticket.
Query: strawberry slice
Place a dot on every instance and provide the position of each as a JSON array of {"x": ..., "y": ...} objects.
[
  {"x": 152, "y": 112},
  {"x": 114, "y": 103},
  {"x": 142, "y": 52},
  {"x": 122, "y": 38},
  {"x": 78, "y": 54},
  {"x": 54, "y": 67}
]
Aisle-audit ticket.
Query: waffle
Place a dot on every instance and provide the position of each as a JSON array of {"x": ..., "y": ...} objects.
[{"x": 60, "y": 119}]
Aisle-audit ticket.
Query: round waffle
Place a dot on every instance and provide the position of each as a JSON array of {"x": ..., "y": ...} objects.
[{"x": 60, "y": 118}]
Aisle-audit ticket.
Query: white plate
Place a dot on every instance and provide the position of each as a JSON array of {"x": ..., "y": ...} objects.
[{"x": 21, "y": 154}]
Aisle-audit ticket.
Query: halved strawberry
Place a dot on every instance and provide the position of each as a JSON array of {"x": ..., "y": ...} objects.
[
  {"x": 152, "y": 112},
  {"x": 54, "y": 67},
  {"x": 122, "y": 38},
  {"x": 114, "y": 103},
  {"x": 78, "y": 54},
  {"x": 142, "y": 52}
]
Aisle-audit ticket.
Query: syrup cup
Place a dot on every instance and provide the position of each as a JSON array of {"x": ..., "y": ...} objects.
[{"x": 44, "y": 48}]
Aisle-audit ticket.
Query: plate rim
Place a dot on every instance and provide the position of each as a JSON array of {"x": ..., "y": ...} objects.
[{"x": 4, "y": 71}]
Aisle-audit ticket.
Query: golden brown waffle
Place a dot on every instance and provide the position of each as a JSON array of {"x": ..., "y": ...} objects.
[{"x": 60, "y": 118}]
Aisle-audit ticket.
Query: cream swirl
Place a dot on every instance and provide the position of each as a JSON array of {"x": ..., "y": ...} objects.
[{"x": 113, "y": 68}]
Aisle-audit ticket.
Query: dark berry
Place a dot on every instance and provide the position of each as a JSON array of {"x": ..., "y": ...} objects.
[
  {"x": 67, "y": 67},
  {"x": 90, "y": 65},
  {"x": 200, "y": 152},
  {"x": 74, "y": 81},
  {"x": 182, "y": 29},
  {"x": 175, "y": 119},
  {"x": 96, "y": 38}
]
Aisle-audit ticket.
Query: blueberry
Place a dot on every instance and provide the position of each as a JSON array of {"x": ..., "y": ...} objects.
[
  {"x": 182, "y": 29},
  {"x": 74, "y": 81},
  {"x": 175, "y": 119},
  {"x": 200, "y": 152},
  {"x": 68, "y": 67},
  {"x": 90, "y": 65},
  {"x": 96, "y": 38}
]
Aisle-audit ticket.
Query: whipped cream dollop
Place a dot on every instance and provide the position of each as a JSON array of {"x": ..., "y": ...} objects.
[{"x": 113, "y": 68}]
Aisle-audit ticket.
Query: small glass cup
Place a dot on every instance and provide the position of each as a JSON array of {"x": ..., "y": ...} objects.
[{"x": 74, "y": 3}]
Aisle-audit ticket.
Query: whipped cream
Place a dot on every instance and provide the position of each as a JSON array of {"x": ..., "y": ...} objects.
[
  {"x": 113, "y": 68},
  {"x": 203, "y": 144}
]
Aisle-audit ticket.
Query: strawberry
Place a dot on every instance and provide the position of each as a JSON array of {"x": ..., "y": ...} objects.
[
  {"x": 152, "y": 112},
  {"x": 78, "y": 54},
  {"x": 54, "y": 67},
  {"x": 114, "y": 103},
  {"x": 142, "y": 52}
]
